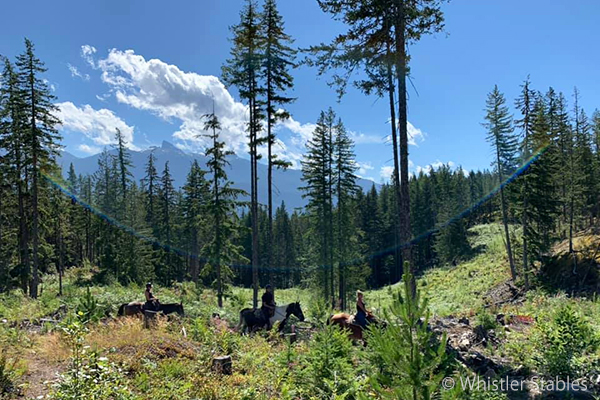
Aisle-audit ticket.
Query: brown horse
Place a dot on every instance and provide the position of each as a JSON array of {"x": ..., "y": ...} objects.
[
  {"x": 133, "y": 308},
  {"x": 346, "y": 321}
]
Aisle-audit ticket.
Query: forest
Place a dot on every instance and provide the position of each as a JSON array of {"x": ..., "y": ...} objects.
[{"x": 208, "y": 239}]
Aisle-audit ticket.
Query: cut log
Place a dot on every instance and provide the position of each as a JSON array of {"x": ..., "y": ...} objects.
[
  {"x": 222, "y": 365},
  {"x": 291, "y": 337}
]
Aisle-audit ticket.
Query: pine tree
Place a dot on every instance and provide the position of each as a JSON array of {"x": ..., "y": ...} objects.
[
  {"x": 525, "y": 105},
  {"x": 243, "y": 70},
  {"x": 195, "y": 196},
  {"x": 14, "y": 134},
  {"x": 500, "y": 135},
  {"x": 317, "y": 175},
  {"x": 150, "y": 187},
  {"x": 220, "y": 250},
  {"x": 344, "y": 168},
  {"x": 42, "y": 138},
  {"x": 277, "y": 61},
  {"x": 167, "y": 204}
]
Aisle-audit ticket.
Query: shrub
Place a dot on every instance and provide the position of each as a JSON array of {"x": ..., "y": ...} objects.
[
  {"x": 407, "y": 355},
  {"x": 563, "y": 341},
  {"x": 88, "y": 309},
  {"x": 7, "y": 374},
  {"x": 89, "y": 375},
  {"x": 328, "y": 369},
  {"x": 486, "y": 320}
]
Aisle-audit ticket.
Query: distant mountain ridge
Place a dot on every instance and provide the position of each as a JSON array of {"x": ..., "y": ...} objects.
[{"x": 285, "y": 182}]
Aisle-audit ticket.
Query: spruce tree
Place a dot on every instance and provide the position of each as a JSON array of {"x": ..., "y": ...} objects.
[
  {"x": 524, "y": 104},
  {"x": 167, "y": 204},
  {"x": 195, "y": 196},
  {"x": 242, "y": 70},
  {"x": 42, "y": 140},
  {"x": 317, "y": 175},
  {"x": 344, "y": 168},
  {"x": 277, "y": 61},
  {"x": 150, "y": 187},
  {"x": 220, "y": 250},
  {"x": 13, "y": 139},
  {"x": 500, "y": 135}
]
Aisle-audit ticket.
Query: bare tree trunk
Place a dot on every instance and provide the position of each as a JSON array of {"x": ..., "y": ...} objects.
[
  {"x": 403, "y": 130},
  {"x": 397, "y": 274},
  {"x": 513, "y": 271}
]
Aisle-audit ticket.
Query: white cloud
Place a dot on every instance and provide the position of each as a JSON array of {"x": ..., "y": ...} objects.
[
  {"x": 386, "y": 172},
  {"x": 87, "y": 53},
  {"x": 89, "y": 149},
  {"x": 433, "y": 166},
  {"x": 364, "y": 168},
  {"x": 97, "y": 125},
  {"x": 414, "y": 134},
  {"x": 75, "y": 73}
]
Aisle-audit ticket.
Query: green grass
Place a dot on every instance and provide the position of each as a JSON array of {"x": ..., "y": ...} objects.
[{"x": 265, "y": 367}]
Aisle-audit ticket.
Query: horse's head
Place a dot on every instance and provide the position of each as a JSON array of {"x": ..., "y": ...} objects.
[{"x": 296, "y": 310}]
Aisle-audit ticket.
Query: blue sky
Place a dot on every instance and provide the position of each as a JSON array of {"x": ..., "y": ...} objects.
[{"x": 151, "y": 68}]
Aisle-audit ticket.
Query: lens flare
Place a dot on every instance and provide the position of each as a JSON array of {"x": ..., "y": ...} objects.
[{"x": 59, "y": 183}]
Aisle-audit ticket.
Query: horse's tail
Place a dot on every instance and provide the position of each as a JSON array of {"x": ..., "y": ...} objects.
[{"x": 121, "y": 310}]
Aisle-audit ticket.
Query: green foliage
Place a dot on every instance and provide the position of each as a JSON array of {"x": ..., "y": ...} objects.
[
  {"x": 486, "y": 320},
  {"x": 89, "y": 376},
  {"x": 7, "y": 373},
  {"x": 565, "y": 341},
  {"x": 407, "y": 355},
  {"x": 88, "y": 309},
  {"x": 329, "y": 371}
]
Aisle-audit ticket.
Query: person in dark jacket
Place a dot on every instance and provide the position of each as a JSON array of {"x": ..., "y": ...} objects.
[{"x": 268, "y": 305}]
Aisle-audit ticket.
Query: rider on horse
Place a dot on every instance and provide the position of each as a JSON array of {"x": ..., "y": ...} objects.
[
  {"x": 362, "y": 314},
  {"x": 152, "y": 302},
  {"x": 268, "y": 305}
]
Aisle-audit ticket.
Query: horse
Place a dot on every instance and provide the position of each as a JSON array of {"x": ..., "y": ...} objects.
[
  {"x": 346, "y": 321},
  {"x": 251, "y": 319},
  {"x": 133, "y": 308},
  {"x": 137, "y": 308},
  {"x": 170, "y": 308}
]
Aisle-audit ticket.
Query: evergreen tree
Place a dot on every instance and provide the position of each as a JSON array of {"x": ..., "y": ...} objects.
[
  {"x": 277, "y": 61},
  {"x": 243, "y": 71},
  {"x": 220, "y": 250},
  {"x": 42, "y": 139},
  {"x": 524, "y": 104},
  {"x": 317, "y": 175},
  {"x": 13, "y": 139},
  {"x": 344, "y": 168},
  {"x": 500, "y": 135},
  {"x": 167, "y": 205},
  {"x": 195, "y": 196},
  {"x": 150, "y": 187}
]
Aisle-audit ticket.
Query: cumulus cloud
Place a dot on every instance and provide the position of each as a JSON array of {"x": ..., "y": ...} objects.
[
  {"x": 89, "y": 149},
  {"x": 75, "y": 73},
  {"x": 433, "y": 166},
  {"x": 386, "y": 172},
  {"x": 364, "y": 168},
  {"x": 98, "y": 125}
]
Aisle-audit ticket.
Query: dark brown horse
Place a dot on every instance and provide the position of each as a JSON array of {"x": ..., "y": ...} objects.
[{"x": 137, "y": 308}]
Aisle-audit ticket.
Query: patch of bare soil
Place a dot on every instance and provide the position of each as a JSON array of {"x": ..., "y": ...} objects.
[{"x": 39, "y": 377}]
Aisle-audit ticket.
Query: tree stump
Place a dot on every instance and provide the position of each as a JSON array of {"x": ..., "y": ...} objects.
[
  {"x": 222, "y": 365},
  {"x": 291, "y": 337},
  {"x": 149, "y": 318}
]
